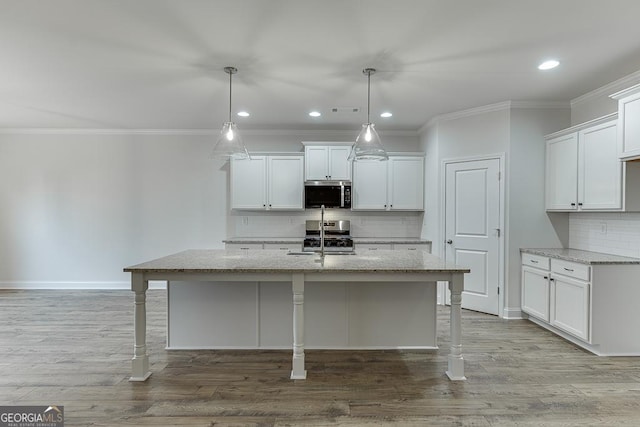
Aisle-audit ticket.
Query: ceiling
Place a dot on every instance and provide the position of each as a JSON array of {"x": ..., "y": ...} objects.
[{"x": 158, "y": 64}]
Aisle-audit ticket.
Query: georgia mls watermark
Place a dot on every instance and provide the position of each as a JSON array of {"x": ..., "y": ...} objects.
[{"x": 32, "y": 416}]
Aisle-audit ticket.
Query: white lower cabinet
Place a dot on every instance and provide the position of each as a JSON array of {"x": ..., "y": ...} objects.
[
  {"x": 592, "y": 305},
  {"x": 553, "y": 292},
  {"x": 570, "y": 305},
  {"x": 535, "y": 292}
]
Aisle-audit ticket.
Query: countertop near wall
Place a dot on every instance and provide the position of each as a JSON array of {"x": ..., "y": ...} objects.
[
  {"x": 580, "y": 256},
  {"x": 356, "y": 240}
]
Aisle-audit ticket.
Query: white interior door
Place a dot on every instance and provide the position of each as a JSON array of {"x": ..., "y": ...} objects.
[{"x": 472, "y": 229}]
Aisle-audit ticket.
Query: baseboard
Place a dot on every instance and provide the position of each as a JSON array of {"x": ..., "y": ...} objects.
[
  {"x": 512, "y": 313},
  {"x": 28, "y": 285}
]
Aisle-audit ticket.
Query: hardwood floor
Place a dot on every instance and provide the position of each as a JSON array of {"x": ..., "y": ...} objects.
[{"x": 73, "y": 348}]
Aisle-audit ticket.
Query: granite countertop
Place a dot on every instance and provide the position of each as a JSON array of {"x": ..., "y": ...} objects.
[
  {"x": 580, "y": 256},
  {"x": 276, "y": 261},
  {"x": 408, "y": 240}
]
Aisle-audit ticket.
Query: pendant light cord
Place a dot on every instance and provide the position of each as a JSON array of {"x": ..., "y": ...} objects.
[
  {"x": 230, "y": 74},
  {"x": 368, "y": 95}
]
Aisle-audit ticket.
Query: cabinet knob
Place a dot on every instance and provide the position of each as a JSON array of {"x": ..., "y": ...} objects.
[
  {"x": 580, "y": 204},
  {"x": 546, "y": 277},
  {"x": 573, "y": 204},
  {"x": 449, "y": 242}
]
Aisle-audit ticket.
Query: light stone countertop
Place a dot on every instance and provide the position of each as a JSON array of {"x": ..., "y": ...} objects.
[
  {"x": 580, "y": 256},
  {"x": 356, "y": 240},
  {"x": 276, "y": 261}
]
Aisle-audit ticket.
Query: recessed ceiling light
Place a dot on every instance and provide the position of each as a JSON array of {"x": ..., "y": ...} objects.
[
  {"x": 243, "y": 114},
  {"x": 547, "y": 65},
  {"x": 386, "y": 114},
  {"x": 315, "y": 114}
]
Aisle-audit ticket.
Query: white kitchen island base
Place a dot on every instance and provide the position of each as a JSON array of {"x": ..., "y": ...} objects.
[{"x": 300, "y": 271}]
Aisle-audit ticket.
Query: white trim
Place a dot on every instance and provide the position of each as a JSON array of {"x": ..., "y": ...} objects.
[
  {"x": 505, "y": 105},
  {"x": 581, "y": 126},
  {"x": 609, "y": 88},
  {"x": 317, "y": 133},
  {"x": 155, "y": 284},
  {"x": 512, "y": 313},
  {"x": 502, "y": 258}
]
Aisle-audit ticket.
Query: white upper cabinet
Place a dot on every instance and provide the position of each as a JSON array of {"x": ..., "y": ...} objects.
[
  {"x": 268, "y": 183},
  {"x": 628, "y": 122},
  {"x": 583, "y": 171},
  {"x": 327, "y": 162},
  {"x": 562, "y": 172},
  {"x": 599, "y": 170},
  {"x": 396, "y": 184}
]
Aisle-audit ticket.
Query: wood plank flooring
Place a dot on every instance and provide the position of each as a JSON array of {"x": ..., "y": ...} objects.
[{"x": 73, "y": 348}]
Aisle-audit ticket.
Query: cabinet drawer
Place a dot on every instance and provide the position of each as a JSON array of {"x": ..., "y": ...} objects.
[
  {"x": 412, "y": 247},
  {"x": 372, "y": 246},
  {"x": 535, "y": 261},
  {"x": 284, "y": 246},
  {"x": 571, "y": 269}
]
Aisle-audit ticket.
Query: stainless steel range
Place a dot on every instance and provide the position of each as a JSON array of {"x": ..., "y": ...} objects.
[{"x": 337, "y": 237}]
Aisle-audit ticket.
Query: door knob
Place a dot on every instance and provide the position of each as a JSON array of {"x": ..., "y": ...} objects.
[{"x": 449, "y": 242}]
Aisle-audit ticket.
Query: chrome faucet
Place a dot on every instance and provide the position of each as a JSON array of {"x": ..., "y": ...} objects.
[{"x": 322, "y": 232}]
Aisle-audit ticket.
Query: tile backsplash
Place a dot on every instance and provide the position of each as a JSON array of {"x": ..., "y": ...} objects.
[
  {"x": 292, "y": 224},
  {"x": 612, "y": 233}
]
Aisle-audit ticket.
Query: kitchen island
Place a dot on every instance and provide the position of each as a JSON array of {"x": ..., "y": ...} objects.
[{"x": 275, "y": 266}]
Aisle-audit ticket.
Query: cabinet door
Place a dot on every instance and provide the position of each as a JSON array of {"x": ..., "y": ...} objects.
[
  {"x": 369, "y": 187},
  {"x": 315, "y": 163},
  {"x": 249, "y": 183},
  {"x": 286, "y": 185},
  {"x": 562, "y": 173},
  {"x": 339, "y": 165},
  {"x": 629, "y": 120},
  {"x": 570, "y": 306},
  {"x": 406, "y": 183},
  {"x": 599, "y": 169},
  {"x": 535, "y": 292}
]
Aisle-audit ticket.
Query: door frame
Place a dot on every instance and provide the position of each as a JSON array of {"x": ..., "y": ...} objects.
[{"x": 501, "y": 212}]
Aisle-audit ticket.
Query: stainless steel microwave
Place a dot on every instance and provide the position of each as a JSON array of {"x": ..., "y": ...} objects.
[{"x": 331, "y": 194}]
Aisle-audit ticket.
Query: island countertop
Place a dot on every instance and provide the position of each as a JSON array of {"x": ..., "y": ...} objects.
[{"x": 275, "y": 261}]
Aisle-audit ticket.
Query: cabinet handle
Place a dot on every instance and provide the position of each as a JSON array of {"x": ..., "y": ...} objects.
[
  {"x": 264, "y": 206},
  {"x": 568, "y": 269},
  {"x": 573, "y": 204},
  {"x": 580, "y": 204},
  {"x": 390, "y": 206},
  {"x": 373, "y": 249},
  {"x": 245, "y": 249},
  {"x": 552, "y": 279},
  {"x": 412, "y": 249},
  {"x": 546, "y": 277},
  {"x": 534, "y": 262}
]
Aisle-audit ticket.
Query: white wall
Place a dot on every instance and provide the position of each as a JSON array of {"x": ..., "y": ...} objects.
[
  {"x": 518, "y": 135},
  {"x": 78, "y": 206},
  {"x": 528, "y": 224}
]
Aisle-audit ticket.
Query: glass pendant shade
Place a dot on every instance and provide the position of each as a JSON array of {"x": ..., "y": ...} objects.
[
  {"x": 368, "y": 145},
  {"x": 230, "y": 144}
]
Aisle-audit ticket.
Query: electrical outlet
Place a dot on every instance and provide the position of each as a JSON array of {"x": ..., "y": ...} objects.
[{"x": 603, "y": 228}]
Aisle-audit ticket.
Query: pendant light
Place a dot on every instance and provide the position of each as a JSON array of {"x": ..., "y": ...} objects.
[
  {"x": 229, "y": 143},
  {"x": 368, "y": 145}
]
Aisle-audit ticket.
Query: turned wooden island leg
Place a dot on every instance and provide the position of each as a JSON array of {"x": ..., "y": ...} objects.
[
  {"x": 140, "y": 362},
  {"x": 455, "y": 369},
  {"x": 297, "y": 370}
]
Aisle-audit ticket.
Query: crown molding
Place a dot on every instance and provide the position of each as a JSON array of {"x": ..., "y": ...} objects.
[
  {"x": 608, "y": 89},
  {"x": 349, "y": 134},
  {"x": 499, "y": 106}
]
